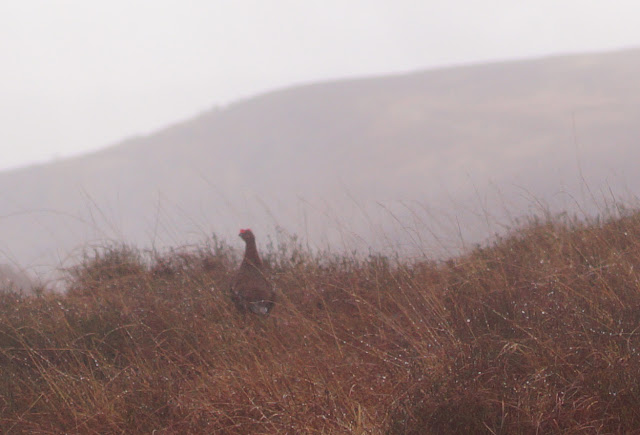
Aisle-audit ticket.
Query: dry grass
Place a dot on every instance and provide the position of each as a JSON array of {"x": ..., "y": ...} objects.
[{"x": 538, "y": 333}]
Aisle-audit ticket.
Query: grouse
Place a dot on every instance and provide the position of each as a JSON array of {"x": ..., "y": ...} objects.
[{"x": 250, "y": 289}]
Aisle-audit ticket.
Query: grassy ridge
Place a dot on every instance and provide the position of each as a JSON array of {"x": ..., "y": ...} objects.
[{"x": 538, "y": 333}]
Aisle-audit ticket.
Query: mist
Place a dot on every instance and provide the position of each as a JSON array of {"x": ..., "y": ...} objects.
[{"x": 422, "y": 164}]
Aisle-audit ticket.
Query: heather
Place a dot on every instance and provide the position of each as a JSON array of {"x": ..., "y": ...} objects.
[{"x": 535, "y": 332}]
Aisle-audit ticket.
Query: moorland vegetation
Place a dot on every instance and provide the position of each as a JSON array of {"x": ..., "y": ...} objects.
[{"x": 536, "y": 332}]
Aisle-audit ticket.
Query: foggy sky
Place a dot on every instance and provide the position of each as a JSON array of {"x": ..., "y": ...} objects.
[{"x": 77, "y": 75}]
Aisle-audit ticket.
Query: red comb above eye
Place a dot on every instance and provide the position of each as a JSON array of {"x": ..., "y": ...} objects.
[{"x": 244, "y": 231}]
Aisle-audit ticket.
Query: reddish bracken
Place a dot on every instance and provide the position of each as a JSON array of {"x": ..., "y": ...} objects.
[{"x": 250, "y": 289}]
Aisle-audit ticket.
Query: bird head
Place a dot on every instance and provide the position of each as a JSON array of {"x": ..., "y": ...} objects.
[{"x": 246, "y": 235}]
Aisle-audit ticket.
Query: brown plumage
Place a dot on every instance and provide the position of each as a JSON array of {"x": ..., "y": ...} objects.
[{"x": 250, "y": 289}]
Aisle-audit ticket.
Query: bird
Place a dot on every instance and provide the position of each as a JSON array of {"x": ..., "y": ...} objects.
[{"x": 250, "y": 289}]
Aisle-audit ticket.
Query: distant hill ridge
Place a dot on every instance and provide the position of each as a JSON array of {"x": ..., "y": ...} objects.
[{"x": 371, "y": 163}]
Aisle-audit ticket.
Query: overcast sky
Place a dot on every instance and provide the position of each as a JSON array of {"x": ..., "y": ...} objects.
[{"x": 77, "y": 75}]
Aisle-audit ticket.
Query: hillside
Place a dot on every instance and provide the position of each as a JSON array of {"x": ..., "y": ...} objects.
[
  {"x": 537, "y": 333},
  {"x": 349, "y": 164}
]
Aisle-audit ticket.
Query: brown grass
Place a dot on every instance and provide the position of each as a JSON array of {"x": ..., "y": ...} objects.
[{"x": 538, "y": 333}]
